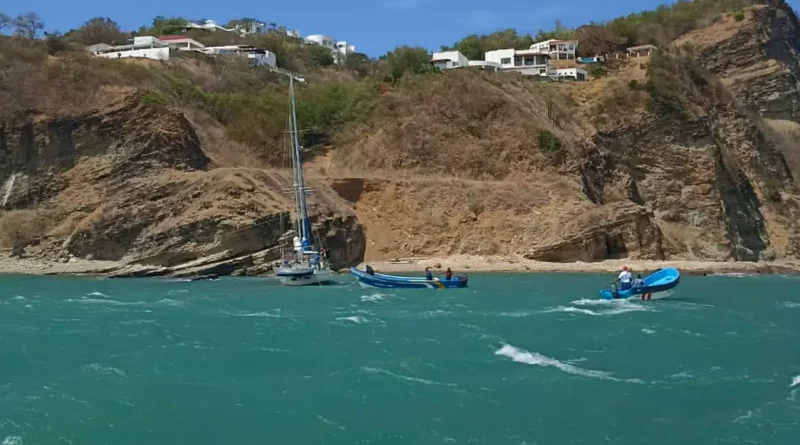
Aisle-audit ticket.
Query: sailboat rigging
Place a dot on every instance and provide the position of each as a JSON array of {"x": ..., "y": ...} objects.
[{"x": 308, "y": 266}]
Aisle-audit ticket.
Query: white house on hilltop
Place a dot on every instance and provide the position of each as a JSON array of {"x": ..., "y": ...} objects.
[
  {"x": 570, "y": 74},
  {"x": 159, "y": 49},
  {"x": 340, "y": 49},
  {"x": 449, "y": 59},
  {"x": 528, "y": 62},
  {"x": 446, "y": 60},
  {"x": 256, "y": 56},
  {"x": 557, "y": 49},
  {"x": 181, "y": 43},
  {"x": 146, "y": 47}
]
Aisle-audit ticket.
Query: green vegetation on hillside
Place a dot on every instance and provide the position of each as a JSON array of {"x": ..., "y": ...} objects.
[
  {"x": 252, "y": 103},
  {"x": 658, "y": 27}
]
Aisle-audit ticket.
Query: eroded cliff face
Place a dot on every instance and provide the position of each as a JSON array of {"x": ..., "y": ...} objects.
[
  {"x": 693, "y": 176},
  {"x": 757, "y": 58},
  {"x": 130, "y": 182},
  {"x": 655, "y": 161}
]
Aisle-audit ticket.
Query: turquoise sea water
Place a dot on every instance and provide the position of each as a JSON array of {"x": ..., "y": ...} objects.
[{"x": 514, "y": 359}]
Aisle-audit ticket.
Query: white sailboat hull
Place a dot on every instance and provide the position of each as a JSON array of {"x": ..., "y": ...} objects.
[{"x": 317, "y": 277}]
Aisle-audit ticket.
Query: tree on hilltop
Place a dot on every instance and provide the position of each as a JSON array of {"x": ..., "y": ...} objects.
[
  {"x": 244, "y": 22},
  {"x": 164, "y": 26},
  {"x": 320, "y": 55},
  {"x": 28, "y": 26},
  {"x": 5, "y": 21},
  {"x": 358, "y": 63},
  {"x": 408, "y": 59},
  {"x": 99, "y": 30}
]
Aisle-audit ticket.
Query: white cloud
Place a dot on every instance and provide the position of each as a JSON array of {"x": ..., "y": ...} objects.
[{"x": 403, "y": 4}]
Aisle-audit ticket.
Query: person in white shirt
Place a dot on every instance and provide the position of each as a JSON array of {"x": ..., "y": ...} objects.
[{"x": 625, "y": 278}]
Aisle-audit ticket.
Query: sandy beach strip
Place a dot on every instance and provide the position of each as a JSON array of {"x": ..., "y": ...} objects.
[
  {"x": 458, "y": 263},
  {"x": 470, "y": 263}
]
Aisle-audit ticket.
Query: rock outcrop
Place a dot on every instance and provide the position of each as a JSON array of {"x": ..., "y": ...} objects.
[{"x": 129, "y": 182}]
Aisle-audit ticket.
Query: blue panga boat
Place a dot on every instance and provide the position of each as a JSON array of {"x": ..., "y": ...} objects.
[
  {"x": 655, "y": 286},
  {"x": 398, "y": 282}
]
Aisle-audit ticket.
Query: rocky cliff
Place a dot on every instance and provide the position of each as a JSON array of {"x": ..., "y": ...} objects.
[
  {"x": 126, "y": 181},
  {"x": 682, "y": 155}
]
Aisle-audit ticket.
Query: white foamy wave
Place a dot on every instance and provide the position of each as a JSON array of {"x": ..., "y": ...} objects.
[
  {"x": 112, "y": 302},
  {"x": 405, "y": 378},
  {"x": 97, "y": 294},
  {"x": 104, "y": 370},
  {"x": 271, "y": 314},
  {"x": 357, "y": 319},
  {"x": 795, "y": 381},
  {"x": 791, "y": 305},
  {"x": 648, "y": 331},
  {"x": 533, "y": 358},
  {"x": 613, "y": 310},
  {"x": 515, "y": 314},
  {"x": 12, "y": 440},
  {"x": 434, "y": 314},
  {"x": 597, "y": 302},
  {"x": 374, "y": 297}
]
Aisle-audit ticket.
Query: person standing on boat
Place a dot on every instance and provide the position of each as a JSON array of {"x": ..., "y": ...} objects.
[
  {"x": 428, "y": 274},
  {"x": 638, "y": 282},
  {"x": 448, "y": 274},
  {"x": 625, "y": 278}
]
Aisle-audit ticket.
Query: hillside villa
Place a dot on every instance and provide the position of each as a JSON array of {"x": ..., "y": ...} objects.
[
  {"x": 557, "y": 49},
  {"x": 149, "y": 47},
  {"x": 256, "y": 56},
  {"x": 530, "y": 62},
  {"x": 181, "y": 43},
  {"x": 339, "y": 49}
]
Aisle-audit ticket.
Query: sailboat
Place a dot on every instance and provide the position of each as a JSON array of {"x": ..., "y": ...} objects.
[{"x": 307, "y": 266}]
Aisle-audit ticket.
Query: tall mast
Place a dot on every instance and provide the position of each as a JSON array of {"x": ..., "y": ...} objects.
[{"x": 304, "y": 226}]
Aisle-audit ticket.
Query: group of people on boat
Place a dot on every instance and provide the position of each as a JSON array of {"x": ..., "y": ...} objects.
[
  {"x": 626, "y": 281},
  {"x": 448, "y": 274},
  {"x": 317, "y": 260}
]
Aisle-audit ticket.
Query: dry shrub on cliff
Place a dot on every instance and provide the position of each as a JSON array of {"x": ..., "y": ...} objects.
[
  {"x": 463, "y": 123},
  {"x": 679, "y": 87},
  {"x": 19, "y": 228},
  {"x": 787, "y": 134}
]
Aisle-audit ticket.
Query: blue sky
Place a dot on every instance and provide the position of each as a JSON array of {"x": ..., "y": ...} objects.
[{"x": 373, "y": 26}]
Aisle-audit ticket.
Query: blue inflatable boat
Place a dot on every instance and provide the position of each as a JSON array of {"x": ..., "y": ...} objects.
[
  {"x": 398, "y": 282},
  {"x": 655, "y": 286}
]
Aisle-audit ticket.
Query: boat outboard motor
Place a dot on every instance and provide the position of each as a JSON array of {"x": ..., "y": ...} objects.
[{"x": 464, "y": 278}]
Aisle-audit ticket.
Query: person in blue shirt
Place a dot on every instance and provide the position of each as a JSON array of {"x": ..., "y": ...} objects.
[{"x": 428, "y": 274}]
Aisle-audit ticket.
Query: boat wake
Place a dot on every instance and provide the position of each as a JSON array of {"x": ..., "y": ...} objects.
[
  {"x": 602, "y": 307},
  {"x": 532, "y": 358}
]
